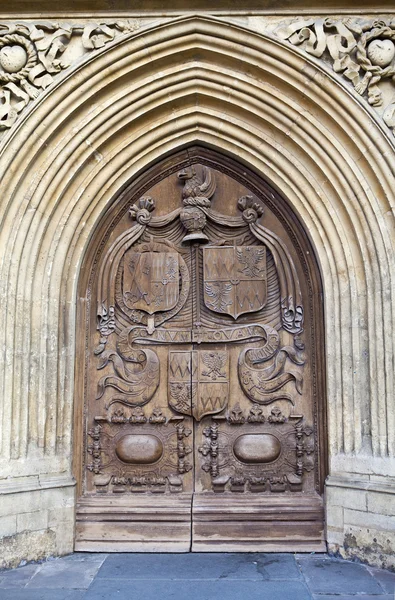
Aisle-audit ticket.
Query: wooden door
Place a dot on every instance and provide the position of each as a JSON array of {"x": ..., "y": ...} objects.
[{"x": 200, "y": 368}]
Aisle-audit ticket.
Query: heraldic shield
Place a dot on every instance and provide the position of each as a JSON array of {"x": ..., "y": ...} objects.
[
  {"x": 151, "y": 280},
  {"x": 198, "y": 382},
  {"x": 235, "y": 280}
]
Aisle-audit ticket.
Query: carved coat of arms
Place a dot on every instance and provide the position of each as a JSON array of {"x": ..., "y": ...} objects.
[
  {"x": 198, "y": 382},
  {"x": 235, "y": 279},
  {"x": 151, "y": 281}
]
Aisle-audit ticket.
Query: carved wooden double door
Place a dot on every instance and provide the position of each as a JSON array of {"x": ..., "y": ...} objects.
[{"x": 200, "y": 369}]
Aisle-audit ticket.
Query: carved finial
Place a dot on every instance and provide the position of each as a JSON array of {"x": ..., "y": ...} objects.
[
  {"x": 196, "y": 195},
  {"x": 197, "y": 191},
  {"x": 140, "y": 211},
  {"x": 251, "y": 210}
]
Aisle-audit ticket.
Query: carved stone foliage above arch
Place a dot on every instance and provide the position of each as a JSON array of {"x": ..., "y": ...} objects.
[
  {"x": 33, "y": 54},
  {"x": 362, "y": 50}
]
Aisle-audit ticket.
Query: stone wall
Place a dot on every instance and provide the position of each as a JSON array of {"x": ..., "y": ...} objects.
[
  {"x": 360, "y": 518},
  {"x": 37, "y": 518},
  {"x": 98, "y": 103}
]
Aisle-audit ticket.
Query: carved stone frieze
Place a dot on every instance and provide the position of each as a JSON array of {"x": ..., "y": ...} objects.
[
  {"x": 362, "y": 50},
  {"x": 32, "y": 55}
]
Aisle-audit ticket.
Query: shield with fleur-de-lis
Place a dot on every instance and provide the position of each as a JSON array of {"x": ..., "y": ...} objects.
[
  {"x": 235, "y": 280},
  {"x": 151, "y": 280}
]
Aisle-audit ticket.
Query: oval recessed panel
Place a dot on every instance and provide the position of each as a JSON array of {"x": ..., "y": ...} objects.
[
  {"x": 257, "y": 448},
  {"x": 139, "y": 449}
]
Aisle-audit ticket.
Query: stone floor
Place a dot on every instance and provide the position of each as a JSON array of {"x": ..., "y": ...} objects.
[{"x": 196, "y": 577}]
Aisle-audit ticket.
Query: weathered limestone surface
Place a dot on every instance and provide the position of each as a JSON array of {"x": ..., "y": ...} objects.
[
  {"x": 360, "y": 519},
  {"x": 232, "y": 83},
  {"x": 37, "y": 518}
]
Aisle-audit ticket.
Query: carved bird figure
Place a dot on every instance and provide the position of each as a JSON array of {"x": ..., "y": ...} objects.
[
  {"x": 195, "y": 191},
  {"x": 251, "y": 258},
  {"x": 219, "y": 292},
  {"x": 182, "y": 393},
  {"x": 215, "y": 361}
]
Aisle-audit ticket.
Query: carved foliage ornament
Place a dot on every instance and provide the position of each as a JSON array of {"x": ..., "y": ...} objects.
[
  {"x": 362, "y": 50},
  {"x": 32, "y": 55}
]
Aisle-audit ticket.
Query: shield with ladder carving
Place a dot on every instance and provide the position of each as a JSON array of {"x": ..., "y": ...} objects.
[
  {"x": 198, "y": 382},
  {"x": 235, "y": 280}
]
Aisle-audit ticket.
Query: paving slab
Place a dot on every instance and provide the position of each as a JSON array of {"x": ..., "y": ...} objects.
[
  {"x": 17, "y": 578},
  {"x": 200, "y": 576},
  {"x": 353, "y": 597},
  {"x": 385, "y": 578},
  {"x": 198, "y": 566},
  {"x": 62, "y": 574},
  {"x": 337, "y": 577},
  {"x": 42, "y": 594},
  {"x": 111, "y": 589},
  {"x": 277, "y": 566},
  {"x": 85, "y": 557}
]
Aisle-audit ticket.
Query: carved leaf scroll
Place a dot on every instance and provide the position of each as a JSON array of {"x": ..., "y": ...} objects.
[
  {"x": 362, "y": 50},
  {"x": 32, "y": 55}
]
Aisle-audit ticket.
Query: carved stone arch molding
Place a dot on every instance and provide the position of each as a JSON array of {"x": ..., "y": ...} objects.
[{"x": 196, "y": 79}]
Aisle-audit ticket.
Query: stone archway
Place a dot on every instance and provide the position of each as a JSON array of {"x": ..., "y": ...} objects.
[{"x": 196, "y": 79}]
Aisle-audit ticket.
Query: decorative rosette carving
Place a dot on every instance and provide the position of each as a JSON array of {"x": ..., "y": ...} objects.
[
  {"x": 18, "y": 56},
  {"x": 142, "y": 209},
  {"x": 375, "y": 55},
  {"x": 251, "y": 211}
]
